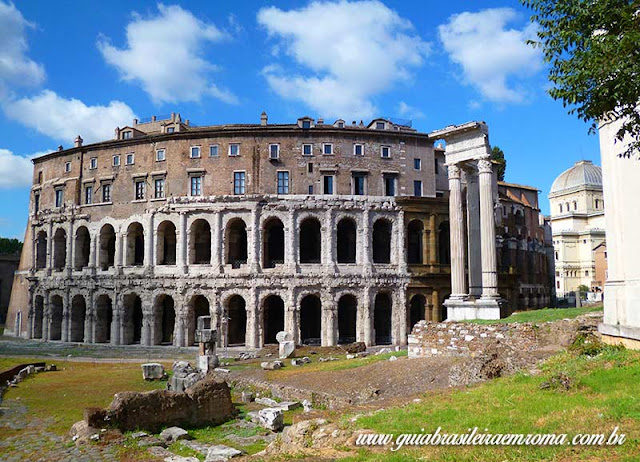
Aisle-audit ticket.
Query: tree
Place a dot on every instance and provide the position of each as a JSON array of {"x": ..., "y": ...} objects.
[
  {"x": 498, "y": 156},
  {"x": 8, "y": 246},
  {"x": 593, "y": 48}
]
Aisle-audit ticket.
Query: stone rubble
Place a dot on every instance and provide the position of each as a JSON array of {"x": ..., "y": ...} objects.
[
  {"x": 153, "y": 371},
  {"x": 173, "y": 434},
  {"x": 270, "y": 418}
]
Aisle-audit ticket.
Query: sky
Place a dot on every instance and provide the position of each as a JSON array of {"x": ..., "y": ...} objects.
[{"x": 83, "y": 68}]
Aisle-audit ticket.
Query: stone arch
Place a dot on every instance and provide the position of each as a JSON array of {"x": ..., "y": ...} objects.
[
  {"x": 347, "y": 315},
  {"x": 346, "y": 240},
  {"x": 135, "y": 244},
  {"x": 310, "y": 243},
  {"x": 415, "y": 251},
  {"x": 38, "y": 316},
  {"x": 236, "y": 242},
  {"x": 132, "y": 320},
  {"x": 236, "y": 320},
  {"x": 381, "y": 241},
  {"x": 164, "y": 318},
  {"x": 273, "y": 242},
  {"x": 56, "y": 307},
  {"x": 444, "y": 243},
  {"x": 104, "y": 318},
  {"x": 166, "y": 243},
  {"x": 198, "y": 306},
  {"x": 41, "y": 250},
  {"x": 272, "y": 318},
  {"x": 417, "y": 310},
  {"x": 82, "y": 248},
  {"x": 107, "y": 246},
  {"x": 382, "y": 309},
  {"x": 310, "y": 320},
  {"x": 59, "y": 249},
  {"x": 78, "y": 315},
  {"x": 200, "y": 242}
]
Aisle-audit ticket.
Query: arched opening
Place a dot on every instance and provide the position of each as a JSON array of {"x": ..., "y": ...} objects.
[
  {"x": 236, "y": 321},
  {"x": 310, "y": 241},
  {"x": 272, "y": 318},
  {"x": 132, "y": 321},
  {"x": 417, "y": 312},
  {"x": 382, "y": 241},
  {"x": 273, "y": 238},
  {"x": 236, "y": 240},
  {"x": 38, "y": 315},
  {"x": 199, "y": 306},
  {"x": 107, "y": 247},
  {"x": 519, "y": 218},
  {"x": 78, "y": 314},
  {"x": 443, "y": 309},
  {"x": 444, "y": 247},
  {"x": 346, "y": 241},
  {"x": 55, "y": 326},
  {"x": 59, "y": 249},
  {"x": 382, "y": 318},
  {"x": 166, "y": 243},
  {"x": 41, "y": 250},
  {"x": 135, "y": 244},
  {"x": 82, "y": 247},
  {"x": 104, "y": 317},
  {"x": 165, "y": 320},
  {"x": 347, "y": 312},
  {"x": 200, "y": 242},
  {"x": 415, "y": 231},
  {"x": 310, "y": 320}
]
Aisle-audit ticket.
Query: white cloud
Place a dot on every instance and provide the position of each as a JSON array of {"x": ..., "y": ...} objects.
[
  {"x": 63, "y": 119},
  {"x": 15, "y": 171},
  {"x": 351, "y": 52},
  {"x": 16, "y": 69},
  {"x": 411, "y": 112},
  {"x": 492, "y": 56},
  {"x": 164, "y": 54}
]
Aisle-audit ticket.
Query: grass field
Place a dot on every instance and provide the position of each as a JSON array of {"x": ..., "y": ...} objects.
[{"x": 542, "y": 315}]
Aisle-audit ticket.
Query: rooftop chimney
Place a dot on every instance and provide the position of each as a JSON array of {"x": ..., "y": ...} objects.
[
  {"x": 78, "y": 141},
  {"x": 135, "y": 121},
  {"x": 60, "y": 148},
  {"x": 263, "y": 119},
  {"x": 320, "y": 121}
]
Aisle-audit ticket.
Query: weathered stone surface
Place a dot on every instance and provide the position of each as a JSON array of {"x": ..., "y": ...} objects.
[
  {"x": 247, "y": 397},
  {"x": 356, "y": 347},
  {"x": 159, "y": 451},
  {"x": 94, "y": 416},
  {"x": 288, "y": 405},
  {"x": 393, "y": 358},
  {"x": 286, "y": 348},
  {"x": 208, "y": 402},
  {"x": 175, "y": 458},
  {"x": 283, "y": 336},
  {"x": 220, "y": 452},
  {"x": 81, "y": 432},
  {"x": 266, "y": 402},
  {"x": 173, "y": 434},
  {"x": 306, "y": 404},
  {"x": 269, "y": 418},
  {"x": 152, "y": 371},
  {"x": 271, "y": 365}
]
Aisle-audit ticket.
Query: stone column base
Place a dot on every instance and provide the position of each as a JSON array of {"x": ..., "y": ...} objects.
[
  {"x": 620, "y": 335},
  {"x": 461, "y": 310}
]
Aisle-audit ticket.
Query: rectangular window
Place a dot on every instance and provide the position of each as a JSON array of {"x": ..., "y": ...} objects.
[
  {"x": 67, "y": 167},
  {"x": 39, "y": 177},
  {"x": 106, "y": 192},
  {"x": 161, "y": 155},
  {"x": 306, "y": 124},
  {"x": 139, "y": 190},
  {"x": 127, "y": 135},
  {"x": 358, "y": 150},
  {"x": 327, "y": 181},
  {"x": 116, "y": 161},
  {"x": 238, "y": 182},
  {"x": 274, "y": 151},
  {"x": 93, "y": 163},
  {"x": 36, "y": 203},
  {"x": 310, "y": 189},
  {"x": 88, "y": 194},
  {"x": 158, "y": 186},
  {"x": 59, "y": 197},
  {"x": 435, "y": 165},
  {"x": 417, "y": 164},
  {"x": 130, "y": 159},
  {"x": 389, "y": 185},
  {"x": 171, "y": 129},
  {"x": 385, "y": 152},
  {"x": 358, "y": 184},
  {"x": 283, "y": 182},
  {"x": 213, "y": 150},
  {"x": 234, "y": 149},
  {"x": 310, "y": 167},
  {"x": 196, "y": 186},
  {"x": 327, "y": 149},
  {"x": 417, "y": 188},
  {"x": 379, "y": 125},
  {"x": 195, "y": 152},
  {"x": 307, "y": 149}
]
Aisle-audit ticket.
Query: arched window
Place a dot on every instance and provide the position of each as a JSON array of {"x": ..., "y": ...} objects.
[
  {"x": 382, "y": 318},
  {"x": 347, "y": 309},
  {"x": 272, "y": 318},
  {"x": 78, "y": 313},
  {"x": 310, "y": 320},
  {"x": 135, "y": 244},
  {"x": 236, "y": 319}
]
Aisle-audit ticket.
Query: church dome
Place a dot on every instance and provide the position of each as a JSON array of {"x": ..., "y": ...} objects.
[{"x": 582, "y": 175}]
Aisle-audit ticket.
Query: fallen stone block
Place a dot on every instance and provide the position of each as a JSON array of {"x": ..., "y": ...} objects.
[
  {"x": 355, "y": 347},
  {"x": 220, "y": 452},
  {"x": 151, "y": 441},
  {"x": 393, "y": 358},
  {"x": 271, "y": 365},
  {"x": 175, "y": 458},
  {"x": 173, "y": 434},
  {"x": 159, "y": 451},
  {"x": 307, "y": 406},
  {"x": 247, "y": 397},
  {"x": 153, "y": 371},
  {"x": 269, "y": 418},
  {"x": 267, "y": 402},
  {"x": 286, "y": 348}
]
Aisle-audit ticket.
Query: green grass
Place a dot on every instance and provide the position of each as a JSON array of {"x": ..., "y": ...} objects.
[
  {"x": 604, "y": 392},
  {"x": 542, "y": 315}
]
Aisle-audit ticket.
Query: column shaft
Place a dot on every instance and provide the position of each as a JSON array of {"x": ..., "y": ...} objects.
[
  {"x": 456, "y": 234},
  {"x": 473, "y": 235},
  {"x": 488, "y": 231},
  {"x": 433, "y": 233}
]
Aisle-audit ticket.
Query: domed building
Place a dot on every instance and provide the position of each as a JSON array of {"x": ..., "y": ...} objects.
[{"x": 577, "y": 222}]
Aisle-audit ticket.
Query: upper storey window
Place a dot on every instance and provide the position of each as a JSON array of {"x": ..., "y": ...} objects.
[
  {"x": 139, "y": 190},
  {"x": 161, "y": 155},
  {"x": 116, "y": 161},
  {"x": 358, "y": 150},
  {"x": 307, "y": 149},
  {"x": 306, "y": 124},
  {"x": 359, "y": 184},
  {"x": 417, "y": 188},
  {"x": 389, "y": 185},
  {"x": 239, "y": 182},
  {"x": 171, "y": 129},
  {"x": 67, "y": 167},
  {"x": 130, "y": 159},
  {"x": 417, "y": 164},
  {"x": 93, "y": 163},
  {"x": 195, "y": 152},
  {"x": 327, "y": 149},
  {"x": 283, "y": 182},
  {"x": 196, "y": 185},
  {"x": 127, "y": 135},
  {"x": 88, "y": 194},
  {"x": 106, "y": 192},
  {"x": 379, "y": 125},
  {"x": 59, "y": 197},
  {"x": 158, "y": 185},
  {"x": 234, "y": 149},
  {"x": 214, "y": 150},
  {"x": 36, "y": 202},
  {"x": 385, "y": 152},
  {"x": 274, "y": 151}
]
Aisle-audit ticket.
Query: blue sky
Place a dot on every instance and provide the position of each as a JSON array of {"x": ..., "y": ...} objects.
[{"x": 69, "y": 68}]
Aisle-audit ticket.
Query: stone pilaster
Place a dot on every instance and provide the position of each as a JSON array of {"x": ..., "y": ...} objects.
[
  {"x": 291, "y": 316},
  {"x": 289, "y": 241},
  {"x": 66, "y": 316},
  {"x": 252, "y": 335},
  {"x": 216, "y": 240},
  {"x": 254, "y": 241},
  {"x": 329, "y": 320},
  {"x": 399, "y": 317},
  {"x": 457, "y": 234},
  {"x": 433, "y": 245},
  {"x": 366, "y": 320},
  {"x": 49, "y": 249},
  {"x": 182, "y": 249},
  {"x": 366, "y": 259},
  {"x": 488, "y": 231},
  {"x": 329, "y": 256},
  {"x": 149, "y": 239},
  {"x": 70, "y": 248},
  {"x": 401, "y": 246},
  {"x": 89, "y": 319}
]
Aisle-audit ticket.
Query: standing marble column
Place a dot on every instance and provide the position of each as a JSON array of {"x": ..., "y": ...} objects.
[
  {"x": 399, "y": 317},
  {"x": 457, "y": 234},
  {"x": 473, "y": 234},
  {"x": 488, "y": 231}
]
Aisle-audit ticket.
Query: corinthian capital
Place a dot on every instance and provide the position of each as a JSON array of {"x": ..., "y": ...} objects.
[
  {"x": 454, "y": 172},
  {"x": 485, "y": 166}
]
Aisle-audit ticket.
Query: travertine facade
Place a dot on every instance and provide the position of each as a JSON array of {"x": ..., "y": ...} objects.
[{"x": 332, "y": 232}]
